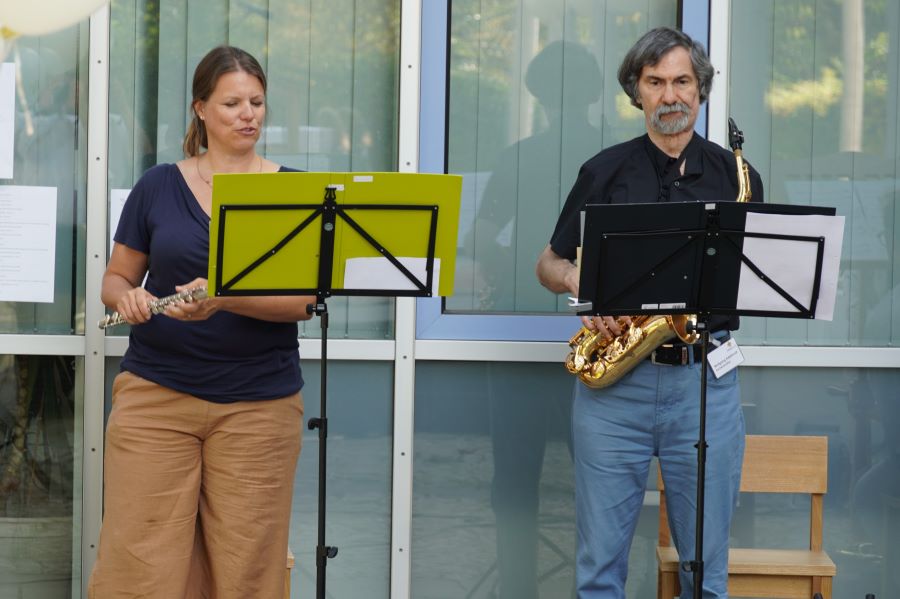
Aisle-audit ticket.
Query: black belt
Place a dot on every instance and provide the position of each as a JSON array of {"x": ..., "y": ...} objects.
[{"x": 677, "y": 354}]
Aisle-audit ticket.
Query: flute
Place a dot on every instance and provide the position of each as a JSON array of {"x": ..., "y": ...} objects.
[{"x": 157, "y": 306}]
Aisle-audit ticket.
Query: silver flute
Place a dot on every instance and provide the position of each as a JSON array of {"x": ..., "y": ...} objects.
[{"x": 157, "y": 306}]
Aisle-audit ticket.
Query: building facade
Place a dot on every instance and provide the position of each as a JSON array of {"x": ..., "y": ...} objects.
[{"x": 449, "y": 470}]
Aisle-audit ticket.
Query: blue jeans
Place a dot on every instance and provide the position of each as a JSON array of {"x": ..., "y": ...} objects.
[{"x": 654, "y": 411}]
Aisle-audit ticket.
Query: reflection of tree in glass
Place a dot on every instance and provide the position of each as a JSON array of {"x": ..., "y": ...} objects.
[
  {"x": 36, "y": 436},
  {"x": 37, "y": 476},
  {"x": 809, "y": 74},
  {"x": 322, "y": 59},
  {"x": 482, "y": 41}
]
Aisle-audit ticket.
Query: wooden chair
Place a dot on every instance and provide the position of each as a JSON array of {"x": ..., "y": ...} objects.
[{"x": 772, "y": 464}]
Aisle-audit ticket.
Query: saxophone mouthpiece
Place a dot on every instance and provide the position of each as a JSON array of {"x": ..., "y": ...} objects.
[{"x": 735, "y": 135}]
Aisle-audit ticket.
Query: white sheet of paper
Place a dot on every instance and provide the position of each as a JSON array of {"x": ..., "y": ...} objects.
[
  {"x": 117, "y": 199},
  {"x": 27, "y": 243},
  {"x": 7, "y": 118},
  {"x": 379, "y": 273},
  {"x": 791, "y": 264}
]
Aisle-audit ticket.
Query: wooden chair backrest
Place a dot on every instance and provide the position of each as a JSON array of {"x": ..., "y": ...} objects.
[{"x": 777, "y": 464}]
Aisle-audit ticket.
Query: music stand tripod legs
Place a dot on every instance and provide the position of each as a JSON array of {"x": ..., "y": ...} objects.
[
  {"x": 323, "y": 551},
  {"x": 696, "y": 565}
]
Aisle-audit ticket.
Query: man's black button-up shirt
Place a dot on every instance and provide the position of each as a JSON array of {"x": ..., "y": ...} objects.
[{"x": 637, "y": 172}]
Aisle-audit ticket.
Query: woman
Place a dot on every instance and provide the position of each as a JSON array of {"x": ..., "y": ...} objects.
[{"x": 204, "y": 434}]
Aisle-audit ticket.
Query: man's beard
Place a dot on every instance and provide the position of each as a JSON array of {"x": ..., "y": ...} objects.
[{"x": 673, "y": 126}]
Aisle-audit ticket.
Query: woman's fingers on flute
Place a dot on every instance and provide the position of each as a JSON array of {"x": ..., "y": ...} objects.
[
  {"x": 198, "y": 282},
  {"x": 135, "y": 305},
  {"x": 188, "y": 308}
]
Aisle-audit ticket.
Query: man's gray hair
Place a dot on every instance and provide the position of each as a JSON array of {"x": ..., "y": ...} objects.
[{"x": 648, "y": 51}]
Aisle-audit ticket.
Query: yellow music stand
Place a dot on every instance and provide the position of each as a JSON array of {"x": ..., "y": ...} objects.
[
  {"x": 325, "y": 234},
  {"x": 336, "y": 233}
]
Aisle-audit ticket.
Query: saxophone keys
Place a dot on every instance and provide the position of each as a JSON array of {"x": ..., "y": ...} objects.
[{"x": 578, "y": 337}]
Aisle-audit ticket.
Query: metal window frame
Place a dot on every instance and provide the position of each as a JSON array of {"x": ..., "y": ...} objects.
[{"x": 94, "y": 354}]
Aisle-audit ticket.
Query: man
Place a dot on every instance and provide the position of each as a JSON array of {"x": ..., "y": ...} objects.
[{"x": 654, "y": 409}]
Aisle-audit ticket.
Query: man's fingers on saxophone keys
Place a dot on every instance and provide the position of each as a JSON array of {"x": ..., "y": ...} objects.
[
  {"x": 611, "y": 326},
  {"x": 602, "y": 325}
]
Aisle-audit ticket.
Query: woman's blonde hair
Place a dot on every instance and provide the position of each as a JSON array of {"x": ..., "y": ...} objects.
[{"x": 217, "y": 62}]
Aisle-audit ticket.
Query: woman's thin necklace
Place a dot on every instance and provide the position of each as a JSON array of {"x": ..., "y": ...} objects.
[{"x": 209, "y": 181}]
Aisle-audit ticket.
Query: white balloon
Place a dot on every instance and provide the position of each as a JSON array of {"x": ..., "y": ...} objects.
[{"x": 37, "y": 17}]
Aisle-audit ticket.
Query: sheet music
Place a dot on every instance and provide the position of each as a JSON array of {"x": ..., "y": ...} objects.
[
  {"x": 791, "y": 264},
  {"x": 379, "y": 273}
]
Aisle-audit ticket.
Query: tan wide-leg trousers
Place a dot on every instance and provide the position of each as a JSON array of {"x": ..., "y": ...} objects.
[{"x": 197, "y": 495}]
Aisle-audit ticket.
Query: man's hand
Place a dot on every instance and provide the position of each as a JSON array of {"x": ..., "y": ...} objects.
[{"x": 608, "y": 326}]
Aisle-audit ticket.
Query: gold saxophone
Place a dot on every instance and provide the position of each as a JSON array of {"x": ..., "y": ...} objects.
[{"x": 600, "y": 361}]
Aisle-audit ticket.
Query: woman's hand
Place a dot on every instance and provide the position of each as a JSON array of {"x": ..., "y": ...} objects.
[
  {"x": 271, "y": 308},
  {"x": 121, "y": 290},
  {"x": 192, "y": 309},
  {"x": 134, "y": 305}
]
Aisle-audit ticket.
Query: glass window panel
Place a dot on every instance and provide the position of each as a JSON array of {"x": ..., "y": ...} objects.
[
  {"x": 50, "y": 146},
  {"x": 821, "y": 127},
  {"x": 358, "y": 503},
  {"x": 858, "y": 410},
  {"x": 492, "y": 466},
  {"x": 332, "y": 99},
  {"x": 493, "y": 493},
  {"x": 533, "y": 94},
  {"x": 41, "y": 403}
]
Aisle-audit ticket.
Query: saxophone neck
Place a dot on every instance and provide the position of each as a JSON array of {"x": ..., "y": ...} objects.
[
  {"x": 736, "y": 141},
  {"x": 735, "y": 136}
]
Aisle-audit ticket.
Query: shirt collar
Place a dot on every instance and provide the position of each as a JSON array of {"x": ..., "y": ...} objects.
[{"x": 663, "y": 162}]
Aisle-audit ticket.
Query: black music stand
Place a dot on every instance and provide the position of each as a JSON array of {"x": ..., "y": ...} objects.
[
  {"x": 330, "y": 215},
  {"x": 686, "y": 258}
]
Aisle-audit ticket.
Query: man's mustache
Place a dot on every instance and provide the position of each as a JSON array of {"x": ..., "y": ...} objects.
[{"x": 676, "y": 107}]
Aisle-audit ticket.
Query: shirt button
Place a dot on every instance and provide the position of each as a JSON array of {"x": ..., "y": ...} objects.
[{"x": 677, "y": 184}]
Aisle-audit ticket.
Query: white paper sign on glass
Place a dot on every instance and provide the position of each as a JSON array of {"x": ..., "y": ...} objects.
[
  {"x": 117, "y": 199},
  {"x": 791, "y": 264},
  {"x": 7, "y": 118},
  {"x": 27, "y": 243}
]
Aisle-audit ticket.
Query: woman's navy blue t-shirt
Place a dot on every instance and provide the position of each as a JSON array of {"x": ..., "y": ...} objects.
[{"x": 223, "y": 359}]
